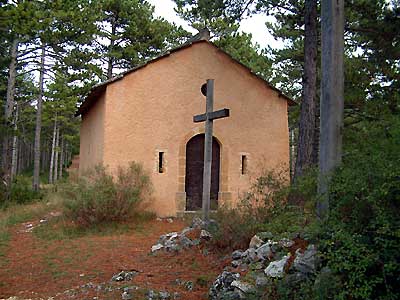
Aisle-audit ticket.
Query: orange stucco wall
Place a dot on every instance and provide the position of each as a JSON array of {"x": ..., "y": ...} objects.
[
  {"x": 152, "y": 110},
  {"x": 92, "y": 136}
]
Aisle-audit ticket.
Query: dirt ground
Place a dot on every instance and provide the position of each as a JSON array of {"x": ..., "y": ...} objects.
[{"x": 81, "y": 268}]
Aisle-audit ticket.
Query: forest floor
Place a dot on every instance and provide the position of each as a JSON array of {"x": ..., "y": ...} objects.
[{"x": 43, "y": 261}]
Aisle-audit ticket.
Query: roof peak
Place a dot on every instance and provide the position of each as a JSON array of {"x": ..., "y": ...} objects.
[{"x": 202, "y": 35}]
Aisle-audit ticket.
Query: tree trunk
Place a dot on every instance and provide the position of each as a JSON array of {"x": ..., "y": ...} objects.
[
  {"x": 20, "y": 166},
  {"x": 292, "y": 160},
  {"x": 110, "y": 49},
  {"x": 332, "y": 97},
  {"x": 61, "y": 158},
  {"x": 315, "y": 150},
  {"x": 9, "y": 106},
  {"x": 36, "y": 160},
  {"x": 53, "y": 147},
  {"x": 307, "y": 114},
  {"x": 56, "y": 156},
  {"x": 14, "y": 156}
]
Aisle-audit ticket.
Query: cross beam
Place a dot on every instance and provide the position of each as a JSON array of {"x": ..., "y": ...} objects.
[
  {"x": 208, "y": 118},
  {"x": 218, "y": 114}
]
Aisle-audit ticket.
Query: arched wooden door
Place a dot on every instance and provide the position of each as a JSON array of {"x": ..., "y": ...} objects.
[{"x": 194, "y": 173}]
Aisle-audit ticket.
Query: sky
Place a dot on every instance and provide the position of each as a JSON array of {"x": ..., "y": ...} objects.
[{"x": 254, "y": 25}]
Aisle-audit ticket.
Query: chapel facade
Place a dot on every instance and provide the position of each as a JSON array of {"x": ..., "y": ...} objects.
[{"x": 146, "y": 115}]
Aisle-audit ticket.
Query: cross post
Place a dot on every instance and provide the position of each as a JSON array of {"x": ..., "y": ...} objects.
[{"x": 208, "y": 118}]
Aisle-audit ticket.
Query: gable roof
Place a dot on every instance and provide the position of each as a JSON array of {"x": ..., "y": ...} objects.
[{"x": 98, "y": 89}]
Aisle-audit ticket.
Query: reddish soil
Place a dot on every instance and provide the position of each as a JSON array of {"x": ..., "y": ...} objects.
[{"x": 35, "y": 268}]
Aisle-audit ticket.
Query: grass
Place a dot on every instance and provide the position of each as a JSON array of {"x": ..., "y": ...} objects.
[
  {"x": 58, "y": 228},
  {"x": 62, "y": 229},
  {"x": 14, "y": 215}
]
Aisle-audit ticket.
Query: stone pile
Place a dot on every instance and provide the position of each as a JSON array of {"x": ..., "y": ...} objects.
[
  {"x": 161, "y": 295},
  {"x": 268, "y": 259},
  {"x": 228, "y": 286},
  {"x": 188, "y": 237},
  {"x": 124, "y": 275}
]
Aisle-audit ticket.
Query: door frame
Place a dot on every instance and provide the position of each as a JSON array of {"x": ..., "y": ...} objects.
[
  {"x": 224, "y": 195},
  {"x": 196, "y": 141}
]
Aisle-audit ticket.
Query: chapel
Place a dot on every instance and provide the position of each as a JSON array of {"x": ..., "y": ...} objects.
[{"x": 146, "y": 115}]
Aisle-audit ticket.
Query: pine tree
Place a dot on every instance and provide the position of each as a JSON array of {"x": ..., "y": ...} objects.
[{"x": 128, "y": 34}]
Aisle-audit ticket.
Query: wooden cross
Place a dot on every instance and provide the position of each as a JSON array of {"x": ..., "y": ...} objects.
[{"x": 210, "y": 115}]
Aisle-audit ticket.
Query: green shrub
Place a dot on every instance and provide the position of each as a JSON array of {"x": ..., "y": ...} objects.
[
  {"x": 361, "y": 238},
  {"x": 266, "y": 196},
  {"x": 99, "y": 197},
  {"x": 270, "y": 189},
  {"x": 21, "y": 192},
  {"x": 235, "y": 227}
]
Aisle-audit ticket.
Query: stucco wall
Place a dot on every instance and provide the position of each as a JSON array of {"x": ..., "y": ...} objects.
[
  {"x": 152, "y": 110},
  {"x": 92, "y": 136}
]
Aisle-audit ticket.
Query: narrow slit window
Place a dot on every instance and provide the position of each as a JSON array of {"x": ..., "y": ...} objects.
[
  {"x": 244, "y": 165},
  {"x": 160, "y": 162}
]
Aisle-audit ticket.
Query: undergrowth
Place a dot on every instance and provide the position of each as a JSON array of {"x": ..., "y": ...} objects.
[
  {"x": 21, "y": 192},
  {"x": 265, "y": 207},
  {"x": 100, "y": 197},
  {"x": 358, "y": 242},
  {"x": 15, "y": 214}
]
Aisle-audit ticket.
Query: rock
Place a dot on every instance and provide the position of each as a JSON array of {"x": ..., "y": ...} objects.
[
  {"x": 172, "y": 235},
  {"x": 250, "y": 256},
  {"x": 124, "y": 275},
  {"x": 170, "y": 220},
  {"x": 274, "y": 246},
  {"x": 198, "y": 223},
  {"x": 189, "y": 285},
  {"x": 264, "y": 252},
  {"x": 224, "y": 281},
  {"x": 167, "y": 237},
  {"x": 173, "y": 247},
  {"x": 151, "y": 295},
  {"x": 156, "y": 247},
  {"x": 306, "y": 262},
  {"x": 222, "y": 288},
  {"x": 227, "y": 295},
  {"x": 126, "y": 296},
  {"x": 255, "y": 242},
  {"x": 242, "y": 286},
  {"x": 204, "y": 234},
  {"x": 130, "y": 288},
  {"x": 176, "y": 296},
  {"x": 237, "y": 254},
  {"x": 286, "y": 243},
  {"x": 261, "y": 281},
  {"x": 235, "y": 263},
  {"x": 164, "y": 295},
  {"x": 185, "y": 242},
  {"x": 276, "y": 268}
]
